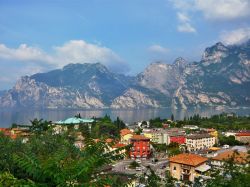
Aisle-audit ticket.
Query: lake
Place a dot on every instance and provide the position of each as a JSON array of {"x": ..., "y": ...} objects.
[{"x": 7, "y": 117}]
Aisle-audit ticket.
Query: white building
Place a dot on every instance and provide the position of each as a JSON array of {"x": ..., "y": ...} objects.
[{"x": 197, "y": 142}]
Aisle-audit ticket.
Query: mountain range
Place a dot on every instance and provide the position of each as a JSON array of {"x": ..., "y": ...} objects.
[{"x": 220, "y": 78}]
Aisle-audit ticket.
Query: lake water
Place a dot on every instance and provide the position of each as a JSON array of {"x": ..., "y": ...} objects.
[{"x": 7, "y": 117}]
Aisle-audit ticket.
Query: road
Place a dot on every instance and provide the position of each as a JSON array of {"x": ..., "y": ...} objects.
[{"x": 159, "y": 167}]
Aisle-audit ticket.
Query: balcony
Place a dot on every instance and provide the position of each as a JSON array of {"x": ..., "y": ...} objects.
[{"x": 185, "y": 167}]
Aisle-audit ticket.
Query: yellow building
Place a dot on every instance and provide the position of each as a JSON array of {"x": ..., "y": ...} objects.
[{"x": 126, "y": 135}]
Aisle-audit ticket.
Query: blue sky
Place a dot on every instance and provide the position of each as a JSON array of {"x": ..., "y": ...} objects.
[{"x": 37, "y": 36}]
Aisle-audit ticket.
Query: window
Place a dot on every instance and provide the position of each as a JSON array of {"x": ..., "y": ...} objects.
[{"x": 174, "y": 168}]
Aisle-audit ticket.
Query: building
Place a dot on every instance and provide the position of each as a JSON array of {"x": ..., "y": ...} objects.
[
  {"x": 243, "y": 137},
  {"x": 230, "y": 133},
  {"x": 125, "y": 135},
  {"x": 76, "y": 122},
  {"x": 140, "y": 147},
  {"x": 212, "y": 132},
  {"x": 238, "y": 158},
  {"x": 177, "y": 138},
  {"x": 191, "y": 127},
  {"x": 186, "y": 167},
  {"x": 119, "y": 146},
  {"x": 159, "y": 136},
  {"x": 197, "y": 142}
]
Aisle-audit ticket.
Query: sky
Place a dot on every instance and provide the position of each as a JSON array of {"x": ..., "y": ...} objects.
[{"x": 125, "y": 35}]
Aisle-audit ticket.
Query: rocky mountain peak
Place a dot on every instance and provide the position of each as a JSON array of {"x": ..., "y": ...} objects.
[{"x": 214, "y": 54}]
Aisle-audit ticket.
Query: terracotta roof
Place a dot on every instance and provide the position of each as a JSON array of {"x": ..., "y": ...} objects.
[
  {"x": 124, "y": 132},
  {"x": 118, "y": 145},
  {"x": 243, "y": 134},
  {"x": 4, "y": 129},
  {"x": 240, "y": 157},
  {"x": 139, "y": 137},
  {"x": 109, "y": 140},
  {"x": 188, "y": 159}
]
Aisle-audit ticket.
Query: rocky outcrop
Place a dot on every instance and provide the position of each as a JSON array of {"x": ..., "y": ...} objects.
[
  {"x": 222, "y": 78},
  {"x": 162, "y": 77},
  {"x": 29, "y": 93},
  {"x": 134, "y": 99}
]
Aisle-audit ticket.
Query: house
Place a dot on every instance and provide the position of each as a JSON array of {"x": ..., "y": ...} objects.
[
  {"x": 191, "y": 127},
  {"x": 158, "y": 135},
  {"x": 79, "y": 140},
  {"x": 243, "y": 137},
  {"x": 140, "y": 147},
  {"x": 211, "y": 131},
  {"x": 197, "y": 142},
  {"x": 125, "y": 135},
  {"x": 177, "y": 138},
  {"x": 230, "y": 133},
  {"x": 118, "y": 146},
  {"x": 239, "y": 158},
  {"x": 186, "y": 166},
  {"x": 13, "y": 133}
]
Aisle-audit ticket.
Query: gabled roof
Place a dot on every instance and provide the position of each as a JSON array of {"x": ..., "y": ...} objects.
[
  {"x": 139, "y": 137},
  {"x": 124, "y": 132},
  {"x": 188, "y": 159},
  {"x": 238, "y": 157},
  {"x": 109, "y": 140}
]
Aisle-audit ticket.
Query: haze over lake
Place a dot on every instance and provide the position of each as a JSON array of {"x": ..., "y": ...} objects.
[{"x": 7, "y": 117}]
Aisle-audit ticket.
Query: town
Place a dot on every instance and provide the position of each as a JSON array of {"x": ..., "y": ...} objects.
[{"x": 197, "y": 151}]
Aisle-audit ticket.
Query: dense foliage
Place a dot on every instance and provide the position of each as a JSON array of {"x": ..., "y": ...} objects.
[
  {"x": 49, "y": 159},
  {"x": 221, "y": 122}
]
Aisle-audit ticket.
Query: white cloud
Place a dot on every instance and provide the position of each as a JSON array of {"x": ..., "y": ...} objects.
[
  {"x": 223, "y": 9},
  {"x": 184, "y": 23},
  {"x": 158, "y": 49},
  {"x": 186, "y": 27},
  {"x": 23, "y": 53},
  {"x": 73, "y": 51},
  {"x": 215, "y": 9},
  {"x": 182, "y": 17},
  {"x": 27, "y": 60},
  {"x": 237, "y": 36}
]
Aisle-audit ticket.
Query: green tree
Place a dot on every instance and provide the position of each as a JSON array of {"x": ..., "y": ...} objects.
[
  {"x": 39, "y": 125},
  {"x": 53, "y": 160}
]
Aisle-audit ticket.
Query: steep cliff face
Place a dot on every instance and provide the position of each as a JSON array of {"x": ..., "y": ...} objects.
[
  {"x": 222, "y": 77},
  {"x": 29, "y": 93},
  {"x": 164, "y": 78},
  {"x": 134, "y": 99}
]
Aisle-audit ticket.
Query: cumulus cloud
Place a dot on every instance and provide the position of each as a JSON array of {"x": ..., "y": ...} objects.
[
  {"x": 215, "y": 9},
  {"x": 223, "y": 9},
  {"x": 74, "y": 51},
  {"x": 27, "y": 60},
  {"x": 24, "y": 53},
  {"x": 158, "y": 49},
  {"x": 237, "y": 36}
]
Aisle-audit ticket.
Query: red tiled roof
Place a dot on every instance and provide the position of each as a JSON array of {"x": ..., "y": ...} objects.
[
  {"x": 124, "y": 132},
  {"x": 118, "y": 145},
  {"x": 188, "y": 159},
  {"x": 139, "y": 137},
  {"x": 109, "y": 140},
  {"x": 243, "y": 134},
  {"x": 240, "y": 157}
]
